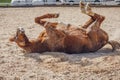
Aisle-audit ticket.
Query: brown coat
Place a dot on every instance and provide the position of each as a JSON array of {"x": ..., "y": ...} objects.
[{"x": 64, "y": 38}]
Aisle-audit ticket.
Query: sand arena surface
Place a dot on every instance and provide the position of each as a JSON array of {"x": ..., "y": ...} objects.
[{"x": 16, "y": 65}]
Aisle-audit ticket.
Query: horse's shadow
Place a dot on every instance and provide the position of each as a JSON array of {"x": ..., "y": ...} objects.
[{"x": 55, "y": 57}]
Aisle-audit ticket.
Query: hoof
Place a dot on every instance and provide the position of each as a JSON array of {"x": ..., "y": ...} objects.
[
  {"x": 57, "y": 15},
  {"x": 88, "y": 8},
  {"x": 82, "y": 7}
]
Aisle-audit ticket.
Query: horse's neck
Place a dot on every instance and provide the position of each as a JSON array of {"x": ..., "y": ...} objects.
[{"x": 36, "y": 46}]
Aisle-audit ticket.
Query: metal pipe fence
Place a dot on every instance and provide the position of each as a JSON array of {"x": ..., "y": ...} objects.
[{"x": 65, "y": 3}]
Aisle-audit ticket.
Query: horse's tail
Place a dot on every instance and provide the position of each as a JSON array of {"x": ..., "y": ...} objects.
[{"x": 115, "y": 44}]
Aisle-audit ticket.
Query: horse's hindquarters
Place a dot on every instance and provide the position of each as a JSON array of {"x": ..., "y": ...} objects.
[{"x": 98, "y": 38}]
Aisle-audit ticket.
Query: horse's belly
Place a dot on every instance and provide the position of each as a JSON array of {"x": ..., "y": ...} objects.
[{"x": 74, "y": 44}]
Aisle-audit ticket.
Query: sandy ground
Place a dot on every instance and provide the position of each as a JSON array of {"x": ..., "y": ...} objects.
[{"x": 16, "y": 65}]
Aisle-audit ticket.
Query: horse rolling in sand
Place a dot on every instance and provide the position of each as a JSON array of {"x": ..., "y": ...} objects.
[{"x": 59, "y": 37}]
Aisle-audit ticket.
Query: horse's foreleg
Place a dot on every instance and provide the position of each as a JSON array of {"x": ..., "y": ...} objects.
[
  {"x": 51, "y": 31},
  {"x": 39, "y": 20}
]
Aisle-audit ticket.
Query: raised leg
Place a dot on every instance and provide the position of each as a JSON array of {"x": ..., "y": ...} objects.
[
  {"x": 96, "y": 17},
  {"x": 86, "y": 9},
  {"x": 39, "y": 20},
  {"x": 55, "y": 36},
  {"x": 53, "y": 32},
  {"x": 88, "y": 23},
  {"x": 49, "y": 26},
  {"x": 83, "y": 8}
]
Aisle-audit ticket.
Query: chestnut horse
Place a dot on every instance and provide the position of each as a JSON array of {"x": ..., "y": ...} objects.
[{"x": 59, "y": 37}]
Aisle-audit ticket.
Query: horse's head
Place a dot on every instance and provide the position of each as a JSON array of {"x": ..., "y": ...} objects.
[{"x": 20, "y": 38}]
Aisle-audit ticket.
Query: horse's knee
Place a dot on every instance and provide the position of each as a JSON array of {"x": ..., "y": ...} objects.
[
  {"x": 37, "y": 20},
  {"x": 102, "y": 18}
]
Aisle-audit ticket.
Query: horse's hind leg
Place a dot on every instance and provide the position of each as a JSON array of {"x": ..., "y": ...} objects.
[
  {"x": 39, "y": 20},
  {"x": 88, "y": 23},
  {"x": 83, "y": 10},
  {"x": 86, "y": 9},
  {"x": 97, "y": 17}
]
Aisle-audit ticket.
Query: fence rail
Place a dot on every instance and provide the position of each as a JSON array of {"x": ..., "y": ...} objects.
[{"x": 101, "y": 3}]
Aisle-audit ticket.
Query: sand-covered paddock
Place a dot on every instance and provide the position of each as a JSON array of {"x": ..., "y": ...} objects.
[{"x": 16, "y": 65}]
